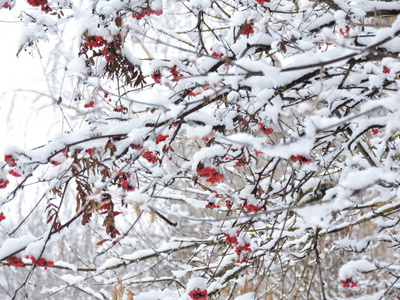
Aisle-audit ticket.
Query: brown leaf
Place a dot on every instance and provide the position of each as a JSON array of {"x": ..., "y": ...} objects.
[
  {"x": 101, "y": 242},
  {"x": 20, "y": 49},
  {"x": 118, "y": 21},
  {"x": 50, "y": 219}
]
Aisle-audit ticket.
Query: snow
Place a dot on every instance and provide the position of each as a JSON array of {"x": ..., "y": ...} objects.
[
  {"x": 12, "y": 245},
  {"x": 358, "y": 180},
  {"x": 355, "y": 268},
  {"x": 71, "y": 279}
]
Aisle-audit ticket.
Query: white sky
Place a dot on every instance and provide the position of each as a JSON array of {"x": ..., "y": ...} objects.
[{"x": 20, "y": 124}]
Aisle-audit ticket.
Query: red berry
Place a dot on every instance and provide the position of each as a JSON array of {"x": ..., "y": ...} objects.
[
  {"x": 198, "y": 294},
  {"x": 386, "y": 70},
  {"x": 13, "y": 173},
  {"x": 10, "y": 160},
  {"x": 90, "y": 104}
]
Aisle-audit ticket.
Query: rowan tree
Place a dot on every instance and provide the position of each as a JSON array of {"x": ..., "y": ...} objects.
[{"x": 213, "y": 150}]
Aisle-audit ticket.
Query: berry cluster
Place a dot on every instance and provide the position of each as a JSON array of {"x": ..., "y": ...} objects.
[
  {"x": 212, "y": 205},
  {"x": 3, "y": 183},
  {"x": 386, "y": 70},
  {"x": 242, "y": 254},
  {"x": 248, "y": 29},
  {"x": 13, "y": 173},
  {"x": 41, "y": 262},
  {"x": 10, "y": 160},
  {"x": 194, "y": 94},
  {"x": 345, "y": 31},
  {"x": 266, "y": 131},
  {"x": 348, "y": 283},
  {"x": 107, "y": 55},
  {"x": 90, "y": 104},
  {"x": 198, "y": 294},
  {"x": 252, "y": 208},
  {"x": 175, "y": 73},
  {"x": 211, "y": 174},
  {"x": 5, "y": 5},
  {"x": 149, "y": 156},
  {"x": 89, "y": 151},
  {"x": 122, "y": 109},
  {"x": 55, "y": 163},
  {"x": 300, "y": 158},
  {"x": 146, "y": 12},
  {"x": 215, "y": 54},
  {"x": 375, "y": 131},
  {"x": 156, "y": 76},
  {"x": 105, "y": 207},
  {"x": 160, "y": 138},
  {"x": 232, "y": 239},
  {"x": 41, "y": 3},
  {"x": 262, "y": 1},
  {"x": 241, "y": 161},
  {"x": 2, "y": 217},
  {"x": 15, "y": 262},
  {"x": 96, "y": 41},
  {"x": 228, "y": 204},
  {"x": 124, "y": 181}
]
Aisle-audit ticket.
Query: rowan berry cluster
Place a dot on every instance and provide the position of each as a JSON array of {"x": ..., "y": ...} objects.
[
  {"x": 15, "y": 262},
  {"x": 198, "y": 294},
  {"x": 228, "y": 204},
  {"x": 3, "y": 183},
  {"x": 156, "y": 76},
  {"x": 252, "y": 208},
  {"x": 175, "y": 73},
  {"x": 13, "y": 173},
  {"x": 194, "y": 94},
  {"x": 265, "y": 130},
  {"x": 124, "y": 181},
  {"x": 55, "y": 163},
  {"x": 41, "y": 3},
  {"x": 146, "y": 12},
  {"x": 386, "y": 70},
  {"x": 215, "y": 54},
  {"x": 107, "y": 55},
  {"x": 348, "y": 283},
  {"x": 248, "y": 29},
  {"x": 212, "y": 205},
  {"x": 37, "y": 2},
  {"x": 2, "y": 217},
  {"x": 122, "y": 109},
  {"x": 160, "y": 138},
  {"x": 375, "y": 131},
  {"x": 345, "y": 31},
  {"x": 232, "y": 239},
  {"x": 90, "y": 104},
  {"x": 105, "y": 207},
  {"x": 149, "y": 156},
  {"x": 10, "y": 160},
  {"x": 242, "y": 253},
  {"x": 241, "y": 162},
  {"x": 300, "y": 158},
  {"x": 5, "y": 5},
  {"x": 96, "y": 41},
  {"x": 211, "y": 174},
  {"x": 41, "y": 262}
]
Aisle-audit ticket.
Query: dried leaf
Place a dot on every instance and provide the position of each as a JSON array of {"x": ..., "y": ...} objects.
[
  {"x": 118, "y": 21},
  {"x": 101, "y": 242}
]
